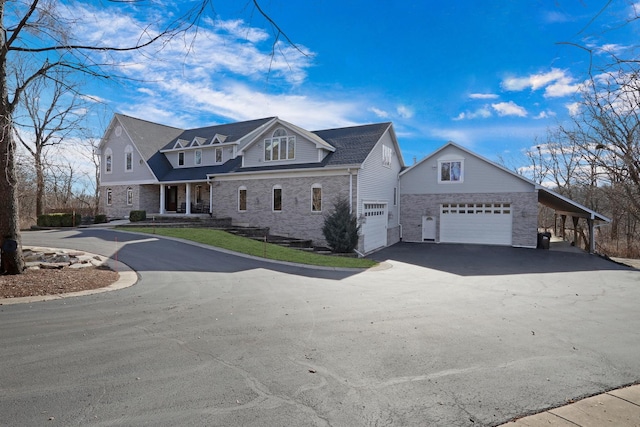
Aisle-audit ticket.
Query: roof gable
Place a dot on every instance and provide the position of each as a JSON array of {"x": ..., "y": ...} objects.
[
  {"x": 230, "y": 132},
  {"x": 352, "y": 144},
  {"x": 311, "y": 136}
]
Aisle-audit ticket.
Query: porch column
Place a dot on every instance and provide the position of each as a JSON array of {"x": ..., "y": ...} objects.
[
  {"x": 563, "y": 225},
  {"x": 210, "y": 198},
  {"x": 162, "y": 201},
  {"x": 575, "y": 230},
  {"x": 188, "y": 206}
]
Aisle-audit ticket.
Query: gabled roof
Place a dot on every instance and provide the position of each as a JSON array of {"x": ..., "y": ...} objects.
[
  {"x": 311, "y": 136},
  {"x": 232, "y": 131},
  {"x": 148, "y": 137},
  {"x": 546, "y": 196},
  {"x": 352, "y": 144}
]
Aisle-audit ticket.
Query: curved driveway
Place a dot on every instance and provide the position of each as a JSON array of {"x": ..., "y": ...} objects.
[{"x": 451, "y": 335}]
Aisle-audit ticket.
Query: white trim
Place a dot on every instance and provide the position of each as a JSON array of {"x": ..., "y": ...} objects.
[
  {"x": 315, "y": 186},
  {"x": 293, "y": 173},
  {"x": 246, "y": 195},
  {"x": 273, "y": 198}
]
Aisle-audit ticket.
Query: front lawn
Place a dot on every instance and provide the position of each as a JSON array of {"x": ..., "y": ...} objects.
[{"x": 222, "y": 239}]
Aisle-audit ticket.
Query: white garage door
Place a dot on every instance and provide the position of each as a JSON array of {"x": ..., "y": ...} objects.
[
  {"x": 374, "y": 228},
  {"x": 482, "y": 223}
]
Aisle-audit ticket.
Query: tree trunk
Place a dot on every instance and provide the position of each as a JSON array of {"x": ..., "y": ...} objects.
[
  {"x": 12, "y": 262},
  {"x": 39, "y": 184},
  {"x": 10, "y": 241}
]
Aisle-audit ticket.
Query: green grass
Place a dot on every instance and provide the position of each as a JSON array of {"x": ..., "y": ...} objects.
[{"x": 222, "y": 239}]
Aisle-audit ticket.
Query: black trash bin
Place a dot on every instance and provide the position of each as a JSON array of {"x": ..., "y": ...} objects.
[
  {"x": 9, "y": 247},
  {"x": 544, "y": 240}
]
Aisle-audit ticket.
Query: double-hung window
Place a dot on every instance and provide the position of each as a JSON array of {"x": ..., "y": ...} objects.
[
  {"x": 450, "y": 171},
  {"x": 277, "y": 198}
]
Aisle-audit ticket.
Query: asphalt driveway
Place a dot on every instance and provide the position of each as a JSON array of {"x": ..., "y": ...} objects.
[{"x": 447, "y": 336}]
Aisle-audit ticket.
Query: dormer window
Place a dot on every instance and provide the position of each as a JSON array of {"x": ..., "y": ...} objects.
[
  {"x": 280, "y": 146},
  {"x": 197, "y": 141},
  {"x": 219, "y": 139},
  {"x": 450, "y": 171},
  {"x": 181, "y": 143}
]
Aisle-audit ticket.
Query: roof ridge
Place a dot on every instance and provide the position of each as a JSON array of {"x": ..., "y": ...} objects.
[
  {"x": 230, "y": 123},
  {"x": 353, "y": 127},
  {"x": 147, "y": 121}
]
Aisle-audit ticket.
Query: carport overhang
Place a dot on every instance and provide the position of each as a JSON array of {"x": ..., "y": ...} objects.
[{"x": 566, "y": 207}]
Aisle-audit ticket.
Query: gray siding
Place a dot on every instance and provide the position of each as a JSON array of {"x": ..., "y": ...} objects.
[
  {"x": 296, "y": 218},
  {"x": 306, "y": 151},
  {"x": 524, "y": 205},
  {"x": 376, "y": 182},
  {"x": 118, "y": 144},
  {"x": 479, "y": 176},
  {"x": 208, "y": 155}
]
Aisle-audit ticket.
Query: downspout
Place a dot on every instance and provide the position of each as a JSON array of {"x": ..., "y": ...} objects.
[
  {"x": 399, "y": 206},
  {"x": 210, "y": 197},
  {"x": 350, "y": 190}
]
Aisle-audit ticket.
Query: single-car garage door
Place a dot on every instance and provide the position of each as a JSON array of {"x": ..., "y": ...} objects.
[
  {"x": 482, "y": 223},
  {"x": 374, "y": 228}
]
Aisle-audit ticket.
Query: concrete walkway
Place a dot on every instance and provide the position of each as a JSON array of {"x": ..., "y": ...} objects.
[{"x": 617, "y": 408}]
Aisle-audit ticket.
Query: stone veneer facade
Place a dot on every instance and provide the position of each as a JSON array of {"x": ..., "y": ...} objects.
[
  {"x": 524, "y": 214},
  {"x": 296, "y": 218}
]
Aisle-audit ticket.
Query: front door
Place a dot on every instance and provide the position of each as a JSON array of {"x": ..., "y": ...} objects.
[{"x": 171, "y": 198}]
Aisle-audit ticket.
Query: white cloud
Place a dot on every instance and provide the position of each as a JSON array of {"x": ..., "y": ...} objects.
[
  {"x": 379, "y": 113},
  {"x": 573, "y": 108},
  {"x": 509, "y": 109},
  {"x": 484, "y": 96},
  {"x": 556, "y": 83},
  {"x": 545, "y": 115},
  {"x": 404, "y": 112},
  {"x": 481, "y": 113}
]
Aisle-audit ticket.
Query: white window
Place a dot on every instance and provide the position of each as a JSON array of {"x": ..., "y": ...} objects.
[
  {"x": 128, "y": 158},
  {"x": 197, "y": 159},
  {"x": 450, "y": 171},
  {"x": 316, "y": 198},
  {"x": 242, "y": 198},
  {"x": 108, "y": 161},
  {"x": 387, "y": 155},
  {"x": 277, "y": 198},
  {"x": 109, "y": 197},
  {"x": 129, "y": 196},
  {"x": 280, "y": 146},
  {"x": 218, "y": 155},
  {"x": 181, "y": 158}
]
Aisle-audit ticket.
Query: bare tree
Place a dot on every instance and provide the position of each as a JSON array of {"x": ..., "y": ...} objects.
[{"x": 51, "y": 111}]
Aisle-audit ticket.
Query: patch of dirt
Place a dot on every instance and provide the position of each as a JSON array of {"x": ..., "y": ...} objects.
[{"x": 55, "y": 281}]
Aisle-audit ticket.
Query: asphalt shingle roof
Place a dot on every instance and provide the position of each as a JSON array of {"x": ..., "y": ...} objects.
[
  {"x": 233, "y": 131},
  {"x": 352, "y": 144}
]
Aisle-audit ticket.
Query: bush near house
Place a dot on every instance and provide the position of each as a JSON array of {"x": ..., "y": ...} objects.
[
  {"x": 135, "y": 216},
  {"x": 59, "y": 220},
  {"x": 341, "y": 228},
  {"x": 100, "y": 219}
]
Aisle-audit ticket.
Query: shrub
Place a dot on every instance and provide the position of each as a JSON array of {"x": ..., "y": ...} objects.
[
  {"x": 59, "y": 220},
  {"x": 341, "y": 228},
  {"x": 135, "y": 216},
  {"x": 100, "y": 219}
]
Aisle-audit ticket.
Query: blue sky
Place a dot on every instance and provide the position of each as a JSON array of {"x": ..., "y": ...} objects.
[{"x": 489, "y": 75}]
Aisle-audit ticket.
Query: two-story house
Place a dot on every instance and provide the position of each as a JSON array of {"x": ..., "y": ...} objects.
[
  {"x": 264, "y": 173},
  {"x": 272, "y": 173}
]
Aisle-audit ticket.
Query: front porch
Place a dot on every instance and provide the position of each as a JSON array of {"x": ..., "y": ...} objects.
[{"x": 186, "y": 199}]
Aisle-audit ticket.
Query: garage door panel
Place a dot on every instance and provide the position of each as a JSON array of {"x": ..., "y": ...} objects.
[
  {"x": 481, "y": 223},
  {"x": 374, "y": 228}
]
